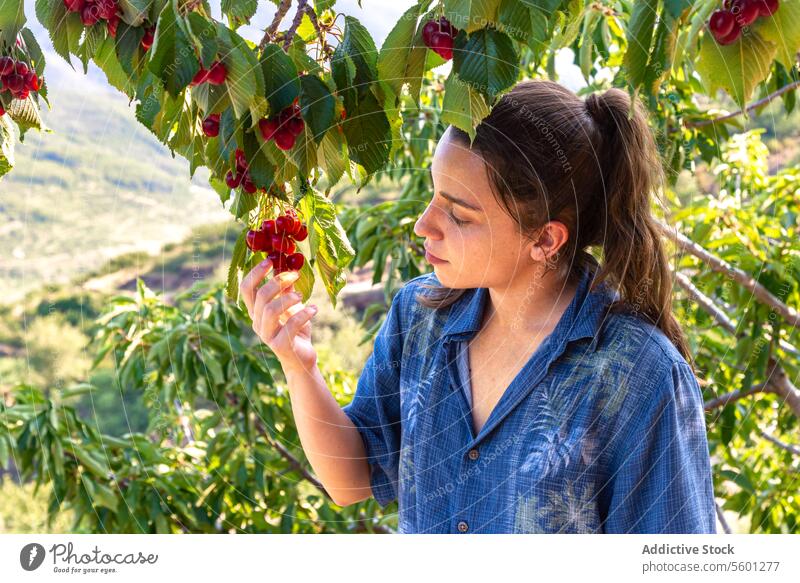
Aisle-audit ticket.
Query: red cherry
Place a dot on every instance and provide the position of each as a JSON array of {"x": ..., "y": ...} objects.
[
  {"x": 721, "y": 23},
  {"x": 295, "y": 261},
  {"x": 295, "y": 126},
  {"x": 730, "y": 37},
  {"x": 31, "y": 81},
  {"x": 21, "y": 68},
  {"x": 268, "y": 128},
  {"x": 284, "y": 140},
  {"x": 217, "y": 73},
  {"x": 430, "y": 27},
  {"x": 148, "y": 38},
  {"x": 269, "y": 227},
  {"x": 282, "y": 242},
  {"x": 241, "y": 161},
  {"x": 247, "y": 184},
  {"x": 200, "y": 77},
  {"x": 74, "y": 5},
  {"x": 442, "y": 44},
  {"x": 90, "y": 14},
  {"x": 256, "y": 240},
  {"x": 111, "y": 25},
  {"x": 23, "y": 94},
  {"x": 767, "y": 7},
  {"x": 15, "y": 83},
  {"x": 6, "y": 66},
  {"x": 745, "y": 11},
  {"x": 232, "y": 181},
  {"x": 211, "y": 125},
  {"x": 302, "y": 233},
  {"x": 282, "y": 224},
  {"x": 2, "y": 111},
  {"x": 278, "y": 260},
  {"x": 447, "y": 28},
  {"x": 108, "y": 8}
]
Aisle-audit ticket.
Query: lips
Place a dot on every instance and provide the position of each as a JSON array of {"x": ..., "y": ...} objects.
[{"x": 432, "y": 257}]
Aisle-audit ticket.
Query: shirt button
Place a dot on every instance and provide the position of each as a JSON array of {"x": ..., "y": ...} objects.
[
  {"x": 473, "y": 454},
  {"x": 462, "y": 526}
]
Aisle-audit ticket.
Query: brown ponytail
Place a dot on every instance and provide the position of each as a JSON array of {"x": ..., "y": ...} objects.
[{"x": 594, "y": 166}]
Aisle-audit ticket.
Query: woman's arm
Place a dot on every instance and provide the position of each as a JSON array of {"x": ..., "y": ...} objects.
[{"x": 330, "y": 440}]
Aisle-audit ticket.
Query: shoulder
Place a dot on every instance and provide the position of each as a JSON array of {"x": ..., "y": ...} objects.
[{"x": 644, "y": 362}]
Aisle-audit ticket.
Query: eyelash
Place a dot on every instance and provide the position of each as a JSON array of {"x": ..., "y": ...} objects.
[{"x": 456, "y": 220}]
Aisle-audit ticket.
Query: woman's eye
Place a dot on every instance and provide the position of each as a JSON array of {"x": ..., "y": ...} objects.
[{"x": 456, "y": 220}]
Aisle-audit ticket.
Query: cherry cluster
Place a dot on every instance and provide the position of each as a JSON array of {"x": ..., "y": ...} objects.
[
  {"x": 215, "y": 74},
  {"x": 93, "y": 11},
  {"x": 242, "y": 175},
  {"x": 17, "y": 78},
  {"x": 211, "y": 125},
  {"x": 438, "y": 35},
  {"x": 726, "y": 23},
  {"x": 284, "y": 127},
  {"x": 277, "y": 238}
]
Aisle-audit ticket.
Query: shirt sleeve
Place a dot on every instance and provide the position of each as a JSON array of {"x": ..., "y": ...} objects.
[
  {"x": 660, "y": 474},
  {"x": 375, "y": 408}
]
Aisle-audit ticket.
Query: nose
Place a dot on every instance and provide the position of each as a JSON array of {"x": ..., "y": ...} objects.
[{"x": 425, "y": 227}]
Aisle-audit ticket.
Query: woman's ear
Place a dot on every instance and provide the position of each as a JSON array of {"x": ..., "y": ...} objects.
[{"x": 550, "y": 239}]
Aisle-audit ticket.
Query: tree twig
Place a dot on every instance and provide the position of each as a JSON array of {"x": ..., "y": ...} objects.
[
  {"x": 727, "y": 398},
  {"x": 324, "y": 47},
  {"x": 722, "y": 520}
]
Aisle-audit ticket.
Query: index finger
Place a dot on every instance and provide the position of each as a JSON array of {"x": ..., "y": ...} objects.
[{"x": 247, "y": 288}]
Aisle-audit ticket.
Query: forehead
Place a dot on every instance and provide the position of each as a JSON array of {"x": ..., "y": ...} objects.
[{"x": 458, "y": 169}]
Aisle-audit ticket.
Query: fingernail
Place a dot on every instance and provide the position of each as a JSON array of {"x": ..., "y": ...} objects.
[
  {"x": 265, "y": 263},
  {"x": 313, "y": 309}
]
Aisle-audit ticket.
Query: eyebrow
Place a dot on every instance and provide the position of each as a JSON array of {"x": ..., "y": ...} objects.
[{"x": 458, "y": 201}]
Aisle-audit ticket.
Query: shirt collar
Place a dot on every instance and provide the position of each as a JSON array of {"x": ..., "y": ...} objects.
[{"x": 582, "y": 318}]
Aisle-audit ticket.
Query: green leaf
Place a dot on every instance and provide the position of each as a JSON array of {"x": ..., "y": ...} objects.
[
  {"x": 65, "y": 28},
  {"x": 241, "y": 11},
  {"x": 126, "y": 45},
  {"x": 328, "y": 239},
  {"x": 244, "y": 79},
  {"x": 34, "y": 51},
  {"x": 471, "y": 15},
  {"x": 737, "y": 68},
  {"x": 172, "y": 56},
  {"x": 402, "y": 56},
  {"x": 486, "y": 60},
  {"x": 280, "y": 78},
  {"x": 358, "y": 46},
  {"x": 135, "y": 11},
  {"x": 331, "y": 155},
  {"x": 783, "y": 29},
  {"x": 106, "y": 59},
  {"x": 317, "y": 105},
  {"x": 639, "y": 38},
  {"x": 367, "y": 130},
  {"x": 514, "y": 19},
  {"x": 12, "y": 19},
  {"x": 26, "y": 114},
  {"x": 462, "y": 107}
]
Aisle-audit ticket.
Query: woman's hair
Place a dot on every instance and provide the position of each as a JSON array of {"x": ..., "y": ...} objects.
[{"x": 593, "y": 165}]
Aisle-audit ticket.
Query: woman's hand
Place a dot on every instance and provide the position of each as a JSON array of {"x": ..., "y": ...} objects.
[{"x": 279, "y": 319}]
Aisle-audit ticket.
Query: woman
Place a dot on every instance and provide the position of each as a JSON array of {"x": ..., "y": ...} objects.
[{"x": 522, "y": 386}]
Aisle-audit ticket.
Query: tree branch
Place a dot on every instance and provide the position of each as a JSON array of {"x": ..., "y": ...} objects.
[
  {"x": 793, "y": 449},
  {"x": 269, "y": 33},
  {"x": 298, "y": 18},
  {"x": 762, "y": 294},
  {"x": 722, "y": 520},
  {"x": 727, "y": 398},
  {"x": 324, "y": 47},
  {"x": 756, "y": 104}
]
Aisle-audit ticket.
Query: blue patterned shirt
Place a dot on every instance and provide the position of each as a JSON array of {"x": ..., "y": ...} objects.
[{"x": 602, "y": 430}]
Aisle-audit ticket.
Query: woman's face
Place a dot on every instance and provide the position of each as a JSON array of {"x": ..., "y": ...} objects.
[{"x": 464, "y": 226}]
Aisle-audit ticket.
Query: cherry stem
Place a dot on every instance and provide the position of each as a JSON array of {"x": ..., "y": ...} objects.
[{"x": 752, "y": 106}]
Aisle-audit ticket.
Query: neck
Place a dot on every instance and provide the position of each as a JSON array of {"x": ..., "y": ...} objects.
[{"x": 529, "y": 304}]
